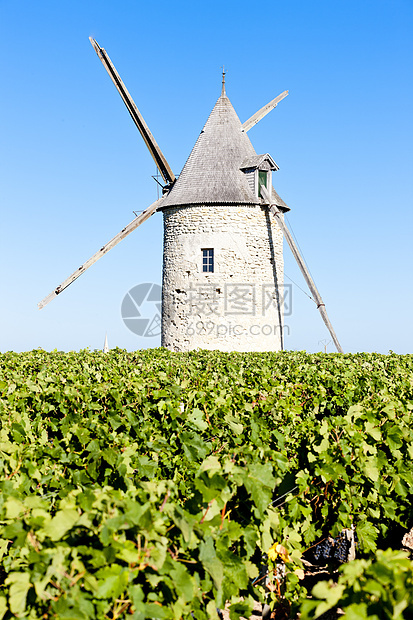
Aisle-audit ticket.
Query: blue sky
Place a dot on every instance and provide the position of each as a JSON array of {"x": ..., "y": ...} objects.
[{"x": 73, "y": 167}]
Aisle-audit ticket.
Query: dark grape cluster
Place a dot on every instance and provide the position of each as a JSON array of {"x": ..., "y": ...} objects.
[
  {"x": 324, "y": 549},
  {"x": 341, "y": 548},
  {"x": 333, "y": 549}
]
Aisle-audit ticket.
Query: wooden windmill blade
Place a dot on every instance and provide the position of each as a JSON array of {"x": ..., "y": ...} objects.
[
  {"x": 255, "y": 118},
  {"x": 103, "y": 250},
  {"x": 159, "y": 158},
  {"x": 297, "y": 255}
]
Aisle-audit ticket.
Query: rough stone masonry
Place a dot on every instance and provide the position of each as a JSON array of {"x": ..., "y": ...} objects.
[{"x": 238, "y": 307}]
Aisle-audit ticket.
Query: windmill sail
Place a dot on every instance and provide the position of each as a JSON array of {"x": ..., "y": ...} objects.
[
  {"x": 255, "y": 118},
  {"x": 317, "y": 297},
  {"x": 159, "y": 158},
  {"x": 103, "y": 250}
]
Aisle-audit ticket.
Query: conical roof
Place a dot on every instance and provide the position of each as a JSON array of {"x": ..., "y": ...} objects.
[{"x": 212, "y": 172}]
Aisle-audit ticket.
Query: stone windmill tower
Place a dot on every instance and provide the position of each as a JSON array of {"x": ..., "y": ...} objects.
[
  {"x": 222, "y": 252},
  {"x": 223, "y": 263}
]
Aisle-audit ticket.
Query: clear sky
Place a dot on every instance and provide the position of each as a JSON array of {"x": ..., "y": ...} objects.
[{"x": 73, "y": 167}]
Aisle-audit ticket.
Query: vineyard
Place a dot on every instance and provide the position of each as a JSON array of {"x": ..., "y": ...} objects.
[{"x": 165, "y": 485}]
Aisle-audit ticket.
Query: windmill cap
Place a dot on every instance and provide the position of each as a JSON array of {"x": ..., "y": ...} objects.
[{"x": 212, "y": 171}]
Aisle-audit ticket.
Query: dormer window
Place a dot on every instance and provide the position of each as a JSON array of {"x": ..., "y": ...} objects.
[{"x": 258, "y": 171}]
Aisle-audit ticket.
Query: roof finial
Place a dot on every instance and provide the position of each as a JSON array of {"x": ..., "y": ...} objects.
[{"x": 223, "y": 93}]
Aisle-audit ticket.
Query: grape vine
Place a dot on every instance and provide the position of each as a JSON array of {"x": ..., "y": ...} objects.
[{"x": 152, "y": 484}]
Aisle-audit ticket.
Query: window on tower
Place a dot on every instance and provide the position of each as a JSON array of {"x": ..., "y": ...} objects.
[{"x": 208, "y": 260}]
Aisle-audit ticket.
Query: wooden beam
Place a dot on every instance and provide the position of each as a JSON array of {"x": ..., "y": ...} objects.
[
  {"x": 310, "y": 283},
  {"x": 159, "y": 158},
  {"x": 103, "y": 250},
  {"x": 255, "y": 118}
]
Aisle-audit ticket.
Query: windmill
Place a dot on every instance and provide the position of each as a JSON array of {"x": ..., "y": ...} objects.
[{"x": 223, "y": 234}]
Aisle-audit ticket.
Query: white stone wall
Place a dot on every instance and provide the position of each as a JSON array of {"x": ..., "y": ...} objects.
[{"x": 239, "y": 307}]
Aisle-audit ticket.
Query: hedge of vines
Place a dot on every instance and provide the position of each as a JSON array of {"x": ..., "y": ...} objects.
[{"x": 153, "y": 484}]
